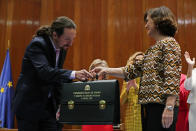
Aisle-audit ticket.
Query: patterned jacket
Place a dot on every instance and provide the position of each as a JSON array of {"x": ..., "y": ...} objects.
[{"x": 159, "y": 71}]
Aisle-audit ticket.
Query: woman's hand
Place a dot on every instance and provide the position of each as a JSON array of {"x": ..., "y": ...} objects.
[
  {"x": 167, "y": 118},
  {"x": 99, "y": 71},
  {"x": 131, "y": 83},
  {"x": 117, "y": 72},
  {"x": 168, "y": 113},
  {"x": 188, "y": 59}
]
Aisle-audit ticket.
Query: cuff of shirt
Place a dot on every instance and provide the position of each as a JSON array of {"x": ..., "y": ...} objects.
[{"x": 72, "y": 76}]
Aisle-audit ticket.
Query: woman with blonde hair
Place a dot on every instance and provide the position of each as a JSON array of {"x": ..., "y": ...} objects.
[
  {"x": 98, "y": 63},
  {"x": 129, "y": 99}
]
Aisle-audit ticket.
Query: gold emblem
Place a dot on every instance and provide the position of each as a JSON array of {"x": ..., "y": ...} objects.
[
  {"x": 102, "y": 104},
  {"x": 70, "y": 105},
  {"x": 87, "y": 88}
]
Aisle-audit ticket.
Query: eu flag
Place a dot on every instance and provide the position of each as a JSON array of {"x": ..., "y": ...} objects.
[{"x": 6, "y": 94}]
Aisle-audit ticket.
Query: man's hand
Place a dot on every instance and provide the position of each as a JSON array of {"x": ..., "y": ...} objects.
[{"x": 83, "y": 75}]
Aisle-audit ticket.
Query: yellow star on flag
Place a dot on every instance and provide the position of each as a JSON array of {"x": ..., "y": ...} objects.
[
  {"x": 2, "y": 90},
  {"x": 9, "y": 84}
]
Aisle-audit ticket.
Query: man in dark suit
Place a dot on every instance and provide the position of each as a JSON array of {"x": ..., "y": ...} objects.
[{"x": 34, "y": 103}]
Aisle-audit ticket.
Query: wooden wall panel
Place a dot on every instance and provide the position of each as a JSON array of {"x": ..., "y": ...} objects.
[
  {"x": 3, "y": 20},
  {"x": 26, "y": 19},
  {"x": 191, "y": 46},
  {"x": 106, "y": 29}
]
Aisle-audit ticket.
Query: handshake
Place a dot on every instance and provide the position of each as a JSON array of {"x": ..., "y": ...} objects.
[{"x": 84, "y": 75}]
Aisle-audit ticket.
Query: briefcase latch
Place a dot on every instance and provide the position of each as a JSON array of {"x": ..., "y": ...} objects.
[
  {"x": 70, "y": 105},
  {"x": 102, "y": 104}
]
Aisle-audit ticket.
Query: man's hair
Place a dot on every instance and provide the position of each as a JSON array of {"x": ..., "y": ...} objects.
[
  {"x": 163, "y": 19},
  {"x": 57, "y": 26}
]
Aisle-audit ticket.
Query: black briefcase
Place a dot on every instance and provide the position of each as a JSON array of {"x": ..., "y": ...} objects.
[{"x": 90, "y": 103}]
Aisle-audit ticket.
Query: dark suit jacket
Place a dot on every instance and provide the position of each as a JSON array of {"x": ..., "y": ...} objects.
[{"x": 38, "y": 77}]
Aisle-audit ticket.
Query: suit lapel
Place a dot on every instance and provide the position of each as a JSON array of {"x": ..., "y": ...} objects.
[
  {"x": 51, "y": 52},
  {"x": 61, "y": 59}
]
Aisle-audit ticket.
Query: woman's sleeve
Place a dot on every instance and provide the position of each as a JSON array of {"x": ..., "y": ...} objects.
[
  {"x": 171, "y": 67},
  {"x": 133, "y": 71},
  {"x": 188, "y": 83}
]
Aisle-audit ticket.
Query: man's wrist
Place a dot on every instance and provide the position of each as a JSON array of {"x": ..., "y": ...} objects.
[{"x": 73, "y": 75}]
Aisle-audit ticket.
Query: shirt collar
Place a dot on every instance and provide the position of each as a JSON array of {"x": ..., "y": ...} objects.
[{"x": 53, "y": 44}]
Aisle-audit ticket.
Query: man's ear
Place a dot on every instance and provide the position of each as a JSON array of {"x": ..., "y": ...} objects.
[{"x": 54, "y": 35}]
